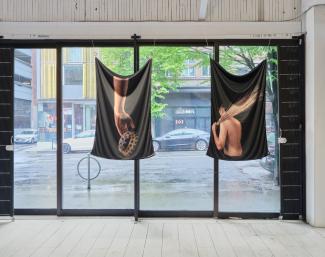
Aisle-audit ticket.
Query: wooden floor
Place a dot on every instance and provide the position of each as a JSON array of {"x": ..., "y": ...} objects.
[{"x": 117, "y": 237}]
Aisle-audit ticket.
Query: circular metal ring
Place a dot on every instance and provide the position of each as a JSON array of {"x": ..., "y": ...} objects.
[{"x": 98, "y": 164}]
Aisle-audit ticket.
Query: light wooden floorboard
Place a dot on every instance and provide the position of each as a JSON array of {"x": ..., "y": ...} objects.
[
  {"x": 170, "y": 243},
  {"x": 121, "y": 237},
  {"x": 154, "y": 240}
]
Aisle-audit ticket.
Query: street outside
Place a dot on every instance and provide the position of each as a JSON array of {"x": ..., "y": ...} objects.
[{"x": 178, "y": 180}]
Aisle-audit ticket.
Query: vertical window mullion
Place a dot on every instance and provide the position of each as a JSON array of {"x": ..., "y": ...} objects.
[
  {"x": 216, "y": 161},
  {"x": 59, "y": 130}
]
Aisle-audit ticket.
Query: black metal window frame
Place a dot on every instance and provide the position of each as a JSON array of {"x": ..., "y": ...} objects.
[{"x": 136, "y": 42}]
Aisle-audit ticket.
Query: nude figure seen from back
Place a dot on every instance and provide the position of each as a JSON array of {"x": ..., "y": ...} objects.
[{"x": 230, "y": 132}]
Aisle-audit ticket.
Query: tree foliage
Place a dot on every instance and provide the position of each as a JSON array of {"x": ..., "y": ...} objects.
[
  {"x": 118, "y": 59},
  {"x": 242, "y": 59},
  {"x": 168, "y": 64}
]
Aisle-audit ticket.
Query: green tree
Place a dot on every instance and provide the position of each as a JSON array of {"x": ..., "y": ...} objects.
[
  {"x": 241, "y": 59},
  {"x": 167, "y": 66},
  {"x": 118, "y": 59}
]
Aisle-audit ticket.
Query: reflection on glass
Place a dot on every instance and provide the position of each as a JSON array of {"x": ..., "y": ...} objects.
[
  {"x": 252, "y": 186},
  {"x": 180, "y": 175},
  {"x": 35, "y": 128},
  {"x": 113, "y": 187}
]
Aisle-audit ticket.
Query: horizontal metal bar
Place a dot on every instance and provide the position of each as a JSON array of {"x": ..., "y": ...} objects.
[
  {"x": 53, "y": 43},
  {"x": 289, "y": 116},
  {"x": 172, "y": 213},
  {"x": 289, "y": 46},
  {"x": 290, "y": 185},
  {"x": 298, "y": 129},
  {"x": 249, "y": 215},
  {"x": 96, "y": 212},
  {"x": 35, "y": 211},
  {"x": 289, "y": 74}
]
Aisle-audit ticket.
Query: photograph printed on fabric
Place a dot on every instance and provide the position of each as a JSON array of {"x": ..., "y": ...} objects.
[
  {"x": 238, "y": 114},
  {"x": 123, "y": 122}
]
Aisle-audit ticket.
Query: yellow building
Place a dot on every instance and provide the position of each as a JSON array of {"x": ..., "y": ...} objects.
[
  {"x": 78, "y": 57},
  {"x": 78, "y": 87}
]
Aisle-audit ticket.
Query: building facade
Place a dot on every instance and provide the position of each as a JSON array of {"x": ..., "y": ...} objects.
[{"x": 189, "y": 106}]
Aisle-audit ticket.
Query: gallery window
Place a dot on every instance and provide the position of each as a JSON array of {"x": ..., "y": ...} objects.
[
  {"x": 253, "y": 186},
  {"x": 35, "y": 129},
  {"x": 180, "y": 175},
  {"x": 113, "y": 187}
]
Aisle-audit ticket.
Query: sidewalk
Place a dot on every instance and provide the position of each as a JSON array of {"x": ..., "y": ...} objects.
[{"x": 38, "y": 147}]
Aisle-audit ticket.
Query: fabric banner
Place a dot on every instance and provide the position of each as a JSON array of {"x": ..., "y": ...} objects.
[
  {"x": 123, "y": 129},
  {"x": 238, "y": 114}
]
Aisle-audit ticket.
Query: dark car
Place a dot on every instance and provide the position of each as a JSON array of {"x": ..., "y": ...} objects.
[
  {"x": 182, "y": 139},
  {"x": 269, "y": 161}
]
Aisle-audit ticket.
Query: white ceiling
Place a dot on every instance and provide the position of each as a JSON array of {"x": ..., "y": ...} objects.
[{"x": 149, "y": 10}]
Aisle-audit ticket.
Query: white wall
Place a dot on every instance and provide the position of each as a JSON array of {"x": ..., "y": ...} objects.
[
  {"x": 148, "y": 30},
  {"x": 308, "y": 3},
  {"x": 315, "y": 115}
]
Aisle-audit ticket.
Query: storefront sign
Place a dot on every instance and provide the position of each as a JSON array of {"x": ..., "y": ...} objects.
[{"x": 185, "y": 111}]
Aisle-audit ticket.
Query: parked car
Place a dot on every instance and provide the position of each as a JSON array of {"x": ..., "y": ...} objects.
[
  {"x": 269, "y": 161},
  {"x": 271, "y": 143},
  {"x": 28, "y": 136},
  {"x": 81, "y": 142},
  {"x": 181, "y": 139}
]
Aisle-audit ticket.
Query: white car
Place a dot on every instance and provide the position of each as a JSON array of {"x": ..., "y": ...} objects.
[
  {"x": 28, "y": 136},
  {"x": 82, "y": 142}
]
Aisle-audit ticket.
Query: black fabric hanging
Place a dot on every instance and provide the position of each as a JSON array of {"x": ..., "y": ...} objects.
[
  {"x": 123, "y": 122},
  {"x": 238, "y": 114}
]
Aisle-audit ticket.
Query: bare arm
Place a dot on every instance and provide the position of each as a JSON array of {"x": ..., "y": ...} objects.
[
  {"x": 123, "y": 120},
  {"x": 120, "y": 91},
  {"x": 221, "y": 139}
]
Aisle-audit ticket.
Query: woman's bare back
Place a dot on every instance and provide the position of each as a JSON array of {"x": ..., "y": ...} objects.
[{"x": 232, "y": 130}]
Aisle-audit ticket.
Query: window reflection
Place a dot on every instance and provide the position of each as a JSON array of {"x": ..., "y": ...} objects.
[
  {"x": 252, "y": 186},
  {"x": 180, "y": 175},
  {"x": 35, "y": 128}
]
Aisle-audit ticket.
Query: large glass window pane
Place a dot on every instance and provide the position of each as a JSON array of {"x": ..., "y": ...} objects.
[
  {"x": 35, "y": 128},
  {"x": 113, "y": 187},
  {"x": 180, "y": 175},
  {"x": 252, "y": 186}
]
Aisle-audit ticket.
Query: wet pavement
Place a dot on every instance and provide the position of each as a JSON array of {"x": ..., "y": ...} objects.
[{"x": 179, "y": 180}]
